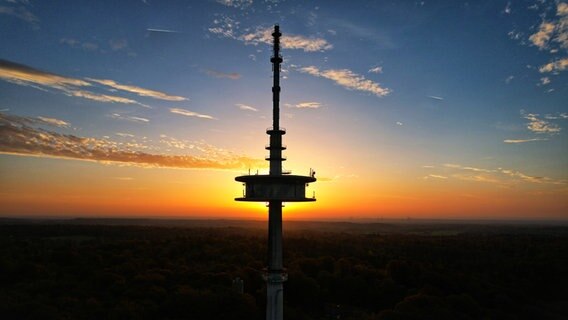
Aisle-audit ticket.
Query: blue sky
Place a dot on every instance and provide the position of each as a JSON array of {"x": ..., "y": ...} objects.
[{"x": 406, "y": 92}]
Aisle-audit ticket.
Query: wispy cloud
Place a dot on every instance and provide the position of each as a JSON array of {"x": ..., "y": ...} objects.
[
  {"x": 348, "y": 79},
  {"x": 523, "y": 140},
  {"x": 118, "y": 44},
  {"x": 552, "y": 35},
  {"x": 73, "y": 43},
  {"x": 241, "y": 4},
  {"x": 474, "y": 169},
  {"x": 21, "y": 12},
  {"x": 435, "y": 176},
  {"x": 110, "y": 45},
  {"x": 308, "y": 105},
  {"x": 246, "y": 107},
  {"x": 554, "y": 66},
  {"x": 129, "y": 118},
  {"x": 498, "y": 176},
  {"x": 436, "y": 98},
  {"x": 509, "y": 79},
  {"x": 376, "y": 70},
  {"x": 507, "y": 9},
  {"x": 540, "y": 126},
  {"x": 18, "y": 136},
  {"x": 223, "y": 75},
  {"x": 35, "y": 121},
  {"x": 124, "y": 135},
  {"x": 562, "y": 115},
  {"x": 162, "y": 30},
  {"x": 230, "y": 28},
  {"x": 102, "y": 97},
  {"x": 542, "y": 36},
  {"x": 189, "y": 113},
  {"x": 21, "y": 74},
  {"x": 356, "y": 31},
  {"x": 288, "y": 41},
  {"x": 54, "y": 122},
  {"x": 123, "y": 178},
  {"x": 138, "y": 90},
  {"x": 27, "y": 76}
]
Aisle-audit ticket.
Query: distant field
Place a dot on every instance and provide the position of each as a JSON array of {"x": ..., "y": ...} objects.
[{"x": 183, "y": 269}]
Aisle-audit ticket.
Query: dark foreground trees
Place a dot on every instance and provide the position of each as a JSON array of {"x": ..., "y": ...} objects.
[{"x": 136, "y": 272}]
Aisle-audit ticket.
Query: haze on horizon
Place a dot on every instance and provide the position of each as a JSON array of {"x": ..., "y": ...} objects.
[{"x": 420, "y": 109}]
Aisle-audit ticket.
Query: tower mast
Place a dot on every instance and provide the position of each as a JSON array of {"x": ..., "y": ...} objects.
[
  {"x": 275, "y": 276},
  {"x": 276, "y": 134},
  {"x": 275, "y": 188}
]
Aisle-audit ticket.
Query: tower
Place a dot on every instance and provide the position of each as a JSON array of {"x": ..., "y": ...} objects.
[{"x": 275, "y": 188}]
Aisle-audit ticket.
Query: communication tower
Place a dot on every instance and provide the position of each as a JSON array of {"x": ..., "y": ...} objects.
[{"x": 275, "y": 188}]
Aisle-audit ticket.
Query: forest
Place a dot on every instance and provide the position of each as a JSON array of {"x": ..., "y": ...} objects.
[{"x": 178, "y": 270}]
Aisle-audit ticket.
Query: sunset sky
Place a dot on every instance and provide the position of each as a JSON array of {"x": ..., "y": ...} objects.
[{"x": 405, "y": 109}]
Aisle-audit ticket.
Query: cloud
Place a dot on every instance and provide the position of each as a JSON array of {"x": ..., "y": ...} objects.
[
  {"x": 54, "y": 122},
  {"x": 544, "y": 81},
  {"x": 398, "y": 123},
  {"x": 19, "y": 137},
  {"x": 123, "y": 178},
  {"x": 436, "y": 98},
  {"x": 435, "y": 176},
  {"x": 229, "y": 28},
  {"x": 376, "y": 70},
  {"x": 124, "y": 135},
  {"x": 21, "y": 74},
  {"x": 542, "y": 36},
  {"x": 118, "y": 44},
  {"x": 507, "y": 9},
  {"x": 528, "y": 178},
  {"x": 498, "y": 176},
  {"x": 552, "y": 35},
  {"x": 360, "y": 32},
  {"x": 129, "y": 118},
  {"x": 223, "y": 75},
  {"x": 113, "y": 44},
  {"x": 540, "y": 126},
  {"x": 37, "y": 121},
  {"x": 246, "y": 107},
  {"x": 288, "y": 41},
  {"x": 308, "y": 105},
  {"x": 21, "y": 13},
  {"x": 457, "y": 166},
  {"x": 348, "y": 79},
  {"x": 101, "y": 97},
  {"x": 523, "y": 140},
  {"x": 162, "y": 30},
  {"x": 89, "y": 46},
  {"x": 139, "y": 91},
  {"x": 27, "y": 76},
  {"x": 562, "y": 115},
  {"x": 241, "y": 4},
  {"x": 509, "y": 79},
  {"x": 188, "y": 113},
  {"x": 562, "y": 9},
  {"x": 558, "y": 65}
]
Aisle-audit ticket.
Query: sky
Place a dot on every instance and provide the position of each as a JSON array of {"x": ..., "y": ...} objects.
[{"x": 405, "y": 109}]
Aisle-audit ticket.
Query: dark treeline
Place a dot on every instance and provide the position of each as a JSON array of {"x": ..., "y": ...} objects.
[{"x": 60, "y": 271}]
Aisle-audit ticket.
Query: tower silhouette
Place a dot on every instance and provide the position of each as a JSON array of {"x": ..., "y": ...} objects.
[{"x": 275, "y": 188}]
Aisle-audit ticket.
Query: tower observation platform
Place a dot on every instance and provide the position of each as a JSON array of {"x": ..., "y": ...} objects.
[{"x": 275, "y": 188}]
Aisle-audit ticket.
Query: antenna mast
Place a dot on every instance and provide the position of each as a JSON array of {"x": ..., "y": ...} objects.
[{"x": 275, "y": 188}]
